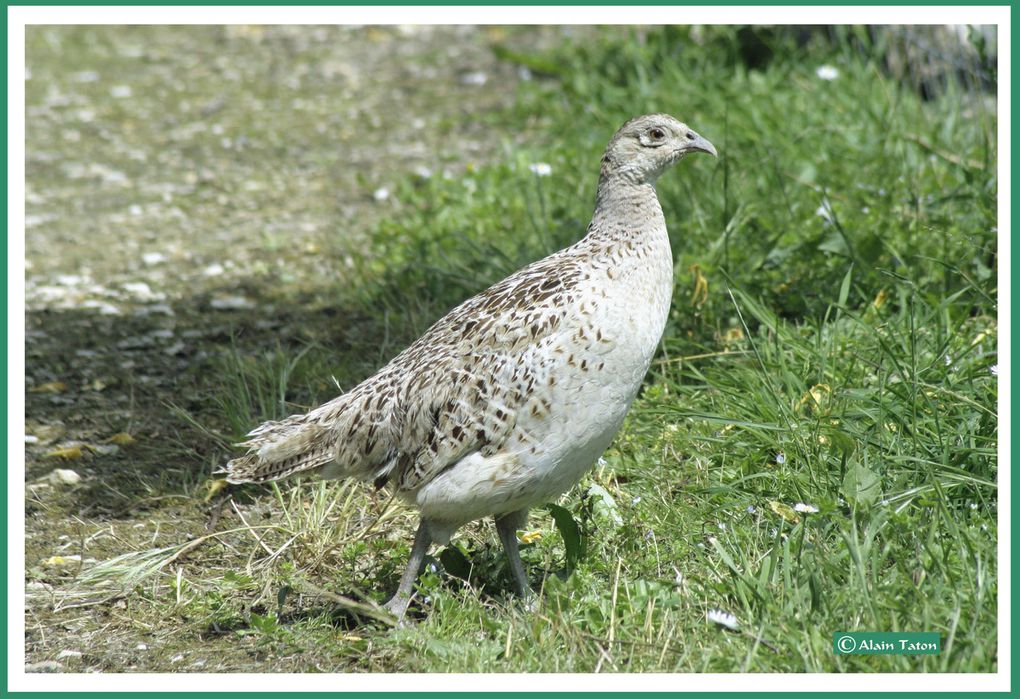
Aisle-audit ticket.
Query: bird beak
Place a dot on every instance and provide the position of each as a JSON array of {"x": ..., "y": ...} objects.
[{"x": 700, "y": 143}]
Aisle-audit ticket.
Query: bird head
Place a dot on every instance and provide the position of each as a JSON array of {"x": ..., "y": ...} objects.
[{"x": 647, "y": 146}]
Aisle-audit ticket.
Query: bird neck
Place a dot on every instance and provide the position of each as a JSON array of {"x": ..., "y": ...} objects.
[{"x": 623, "y": 207}]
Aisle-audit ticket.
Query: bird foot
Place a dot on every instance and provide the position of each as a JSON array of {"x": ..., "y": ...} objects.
[{"x": 397, "y": 606}]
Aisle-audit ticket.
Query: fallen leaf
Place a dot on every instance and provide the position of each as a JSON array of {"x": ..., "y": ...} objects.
[
  {"x": 50, "y": 387},
  {"x": 213, "y": 487},
  {"x": 74, "y": 451},
  {"x": 62, "y": 560},
  {"x": 784, "y": 511},
  {"x": 121, "y": 438}
]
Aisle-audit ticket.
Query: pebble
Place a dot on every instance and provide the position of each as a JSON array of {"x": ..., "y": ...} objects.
[
  {"x": 64, "y": 476},
  {"x": 476, "y": 78},
  {"x": 142, "y": 291},
  {"x": 153, "y": 258},
  {"x": 232, "y": 303}
]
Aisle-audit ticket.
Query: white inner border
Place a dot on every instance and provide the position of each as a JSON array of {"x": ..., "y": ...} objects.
[{"x": 18, "y": 17}]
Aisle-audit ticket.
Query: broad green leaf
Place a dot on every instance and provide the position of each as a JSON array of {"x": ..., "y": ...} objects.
[
  {"x": 861, "y": 485},
  {"x": 570, "y": 532}
]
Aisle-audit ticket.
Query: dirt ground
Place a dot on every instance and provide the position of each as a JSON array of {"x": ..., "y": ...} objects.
[{"x": 194, "y": 192}]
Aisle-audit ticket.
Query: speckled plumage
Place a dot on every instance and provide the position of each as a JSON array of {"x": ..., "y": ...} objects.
[{"x": 507, "y": 400}]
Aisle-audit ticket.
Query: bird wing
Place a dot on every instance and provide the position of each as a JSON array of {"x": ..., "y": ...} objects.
[
  {"x": 456, "y": 390},
  {"x": 460, "y": 387}
]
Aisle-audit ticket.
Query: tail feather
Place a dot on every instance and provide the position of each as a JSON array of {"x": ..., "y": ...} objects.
[
  {"x": 276, "y": 450},
  {"x": 356, "y": 435}
]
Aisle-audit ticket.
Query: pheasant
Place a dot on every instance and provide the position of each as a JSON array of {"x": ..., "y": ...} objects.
[{"x": 506, "y": 401}]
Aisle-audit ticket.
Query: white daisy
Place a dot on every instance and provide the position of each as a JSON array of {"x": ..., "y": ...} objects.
[
  {"x": 718, "y": 616},
  {"x": 827, "y": 72}
]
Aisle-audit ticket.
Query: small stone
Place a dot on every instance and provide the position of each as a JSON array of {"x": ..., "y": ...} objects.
[
  {"x": 232, "y": 303},
  {"x": 475, "y": 78},
  {"x": 142, "y": 291},
  {"x": 68, "y": 653},
  {"x": 64, "y": 476},
  {"x": 44, "y": 666},
  {"x": 176, "y": 348},
  {"x": 120, "y": 91},
  {"x": 152, "y": 258}
]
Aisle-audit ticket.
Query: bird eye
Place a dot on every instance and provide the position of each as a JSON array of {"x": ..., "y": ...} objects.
[
  {"x": 691, "y": 135},
  {"x": 657, "y": 134}
]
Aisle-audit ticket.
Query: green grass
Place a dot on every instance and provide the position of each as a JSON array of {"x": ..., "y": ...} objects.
[{"x": 841, "y": 358}]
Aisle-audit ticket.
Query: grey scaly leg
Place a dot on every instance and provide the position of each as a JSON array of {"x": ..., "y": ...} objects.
[
  {"x": 507, "y": 526},
  {"x": 397, "y": 605}
]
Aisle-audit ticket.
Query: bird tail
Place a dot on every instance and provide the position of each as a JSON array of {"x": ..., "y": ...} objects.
[{"x": 280, "y": 449}]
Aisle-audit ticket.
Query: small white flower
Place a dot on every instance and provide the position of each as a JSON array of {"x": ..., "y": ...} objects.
[
  {"x": 994, "y": 369},
  {"x": 780, "y": 458},
  {"x": 948, "y": 360},
  {"x": 808, "y": 509},
  {"x": 827, "y": 72},
  {"x": 381, "y": 194},
  {"x": 541, "y": 169},
  {"x": 884, "y": 503},
  {"x": 973, "y": 506},
  {"x": 423, "y": 172},
  {"x": 636, "y": 500},
  {"x": 602, "y": 462},
  {"x": 718, "y": 616},
  {"x": 722, "y": 526},
  {"x": 824, "y": 211},
  {"x": 432, "y": 568},
  {"x": 751, "y": 510}
]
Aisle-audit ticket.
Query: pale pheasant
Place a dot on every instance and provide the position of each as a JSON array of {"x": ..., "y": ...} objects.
[{"x": 511, "y": 397}]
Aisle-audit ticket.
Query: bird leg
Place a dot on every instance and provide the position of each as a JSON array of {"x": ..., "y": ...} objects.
[
  {"x": 397, "y": 605},
  {"x": 507, "y": 527}
]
